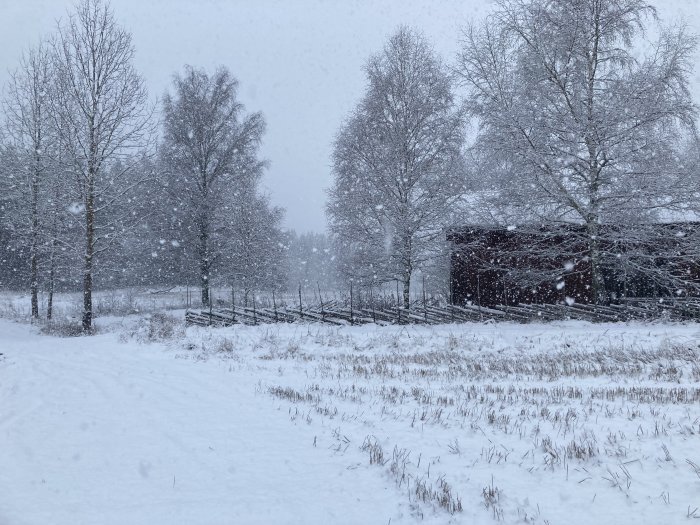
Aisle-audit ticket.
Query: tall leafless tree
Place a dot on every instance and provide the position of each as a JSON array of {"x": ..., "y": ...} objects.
[
  {"x": 102, "y": 108},
  {"x": 574, "y": 127},
  {"x": 29, "y": 128},
  {"x": 397, "y": 165},
  {"x": 209, "y": 153}
]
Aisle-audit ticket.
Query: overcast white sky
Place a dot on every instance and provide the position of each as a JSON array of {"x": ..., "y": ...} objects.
[{"x": 298, "y": 61}]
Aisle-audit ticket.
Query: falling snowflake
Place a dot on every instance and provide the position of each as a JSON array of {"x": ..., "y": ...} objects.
[{"x": 76, "y": 208}]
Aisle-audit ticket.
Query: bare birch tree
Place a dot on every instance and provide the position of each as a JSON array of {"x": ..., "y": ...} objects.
[
  {"x": 209, "y": 153},
  {"x": 101, "y": 105},
  {"x": 397, "y": 165},
  {"x": 28, "y": 127},
  {"x": 574, "y": 127}
]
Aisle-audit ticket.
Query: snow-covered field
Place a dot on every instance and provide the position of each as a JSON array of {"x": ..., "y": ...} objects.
[{"x": 567, "y": 423}]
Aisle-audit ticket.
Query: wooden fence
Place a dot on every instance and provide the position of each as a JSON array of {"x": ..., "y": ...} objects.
[{"x": 336, "y": 313}]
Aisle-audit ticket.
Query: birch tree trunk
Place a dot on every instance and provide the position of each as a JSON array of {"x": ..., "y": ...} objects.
[{"x": 102, "y": 114}]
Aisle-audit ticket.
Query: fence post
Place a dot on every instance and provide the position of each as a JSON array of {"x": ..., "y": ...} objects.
[
  {"x": 233, "y": 305},
  {"x": 320, "y": 298},
  {"x": 300, "y": 310},
  {"x": 425, "y": 305},
  {"x": 351, "y": 317},
  {"x": 274, "y": 305},
  {"x": 211, "y": 301},
  {"x": 255, "y": 315},
  {"x": 478, "y": 296},
  {"x": 398, "y": 304},
  {"x": 452, "y": 301}
]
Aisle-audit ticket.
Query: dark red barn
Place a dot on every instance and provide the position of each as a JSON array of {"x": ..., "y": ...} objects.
[{"x": 550, "y": 263}]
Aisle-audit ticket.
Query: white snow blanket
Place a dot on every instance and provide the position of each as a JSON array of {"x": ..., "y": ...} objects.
[{"x": 561, "y": 423}]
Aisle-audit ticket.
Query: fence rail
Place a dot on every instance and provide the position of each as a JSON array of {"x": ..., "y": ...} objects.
[{"x": 337, "y": 313}]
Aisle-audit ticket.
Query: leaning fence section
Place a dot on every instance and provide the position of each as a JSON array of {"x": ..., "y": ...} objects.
[{"x": 341, "y": 313}]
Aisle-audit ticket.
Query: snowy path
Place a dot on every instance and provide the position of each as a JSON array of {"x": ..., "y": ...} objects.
[{"x": 95, "y": 431}]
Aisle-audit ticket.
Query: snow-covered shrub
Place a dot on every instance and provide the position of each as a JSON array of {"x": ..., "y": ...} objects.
[
  {"x": 116, "y": 304},
  {"x": 155, "y": 327},
  {"x": 65, "y": 328}
]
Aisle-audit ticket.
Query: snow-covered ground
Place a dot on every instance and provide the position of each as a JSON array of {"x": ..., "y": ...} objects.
[{"x": 544, "y": 423}]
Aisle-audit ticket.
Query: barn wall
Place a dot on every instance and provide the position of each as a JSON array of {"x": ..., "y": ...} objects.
[{"x": 549, "y": 265}]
